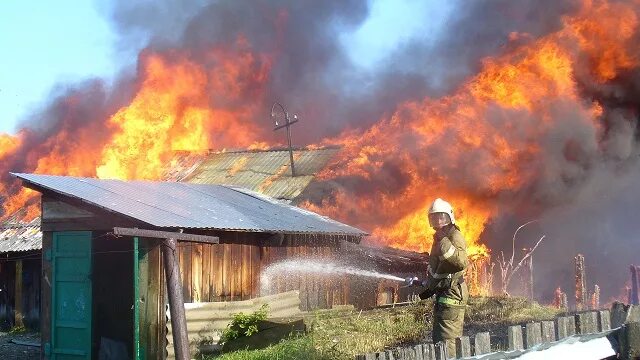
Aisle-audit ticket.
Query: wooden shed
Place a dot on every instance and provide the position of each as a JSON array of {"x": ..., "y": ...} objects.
[
  {"x": 100, "y": 289},
  {"x": 20, "y": 267}
]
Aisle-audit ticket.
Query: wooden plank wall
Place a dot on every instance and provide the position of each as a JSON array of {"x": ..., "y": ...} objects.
[
  {"x": 230, "y": 271},
  {"x": 20, "y": 290}
]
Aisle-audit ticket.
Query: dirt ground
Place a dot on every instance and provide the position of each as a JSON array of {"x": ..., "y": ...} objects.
[{"x": 11, "y": 351}]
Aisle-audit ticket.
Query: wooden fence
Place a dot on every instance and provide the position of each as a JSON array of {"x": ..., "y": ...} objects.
[
  {"x": 537, "y": 336},
  {"x": 205, "y": 321}
]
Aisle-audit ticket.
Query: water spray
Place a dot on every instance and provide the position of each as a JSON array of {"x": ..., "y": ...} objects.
[{"x": 320, "y": 267}]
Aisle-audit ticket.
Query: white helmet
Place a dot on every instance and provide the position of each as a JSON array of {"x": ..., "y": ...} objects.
[{"x": 441, "y": 206}]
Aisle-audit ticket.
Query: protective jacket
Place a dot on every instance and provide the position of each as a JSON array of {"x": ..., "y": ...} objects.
[{"x": 447, "y": 263}]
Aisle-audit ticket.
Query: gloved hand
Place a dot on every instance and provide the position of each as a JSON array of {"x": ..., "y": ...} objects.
[
  {"x": 427, "y": 294},
  {"x": 412, "y": 281}
]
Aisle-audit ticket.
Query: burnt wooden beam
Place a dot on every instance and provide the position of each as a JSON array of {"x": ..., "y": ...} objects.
[{"x": 166, "y": 235}]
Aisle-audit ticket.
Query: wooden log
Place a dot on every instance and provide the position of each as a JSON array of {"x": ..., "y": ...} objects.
[
  {"x": 604, "y": 320},
  {"x": 175, "y": 296},
  {"x": 463, "y": 347},
  {"x": 587, "y": 322},
  {"x": 482, "y": 343},
  {"x": 548, "y": 331},
  {"x": 514, "y": 338},
  {"x": 629, "y": 338},
  {"x": 566, "y": 326},
  {"x": 533, "y": 333},
  {"x": 441, "y": 350}
]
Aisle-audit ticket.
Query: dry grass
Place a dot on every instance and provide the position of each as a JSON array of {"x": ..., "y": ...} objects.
[{"x": 338, "y": 335}]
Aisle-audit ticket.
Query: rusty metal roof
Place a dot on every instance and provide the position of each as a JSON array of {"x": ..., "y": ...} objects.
[
  {"x": 186, "y": 205},
  {"x": 16, "y": 235},
  {"x": 265, "y": 171}
]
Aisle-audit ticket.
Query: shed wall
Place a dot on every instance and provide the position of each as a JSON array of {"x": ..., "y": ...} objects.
[{"x": 230, "y": 271}]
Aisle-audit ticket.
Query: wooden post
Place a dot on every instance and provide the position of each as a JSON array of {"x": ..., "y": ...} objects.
[
  {"x": 548, "y": 331},
  {"x": 566, "y": 327},
  {"x": 618, "y": 314},
  {"x": 514, "y": 338},
  {"x": 635, "y": 284},
  {"x": 429, "y": 351},
  {"x": 595, "y": 298},
  {"x": 587, "y": 323},
  {"x": 604, "y": 320},
  {"x": 419, "y": 351},
  {"x": 482, "y": 343},
  {"x": 390, "y": 355},
  {"x": 19, "y": 312},
  {"x": 581, "y": 283},
  {"x": 441, "y": 351},
  {"x": 629, "y": 339},
  {"x": 463, "y": 347},
  {"x": 533, "y": 334},
  {"x": 176, "y": 303}
]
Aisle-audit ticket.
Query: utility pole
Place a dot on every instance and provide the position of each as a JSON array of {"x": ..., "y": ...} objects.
[{"x": 287, "y": 124}]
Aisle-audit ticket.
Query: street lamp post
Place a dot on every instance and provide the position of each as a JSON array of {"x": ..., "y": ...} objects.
[{"x": 287, "y": 124}]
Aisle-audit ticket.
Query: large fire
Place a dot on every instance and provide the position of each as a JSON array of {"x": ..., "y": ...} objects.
[{"x": 468, "y": 147}]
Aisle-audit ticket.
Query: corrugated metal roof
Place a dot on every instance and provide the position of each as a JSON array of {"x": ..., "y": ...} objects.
[
  {"x": 266, "y": 172},
  {"x": 185, "y": 205},
  {"x": 20, "y": 236}
]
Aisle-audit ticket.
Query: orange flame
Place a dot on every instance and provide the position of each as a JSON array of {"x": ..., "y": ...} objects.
[
  {"x": 467, "y": 147},
  {"x": 479, "y": 120}
]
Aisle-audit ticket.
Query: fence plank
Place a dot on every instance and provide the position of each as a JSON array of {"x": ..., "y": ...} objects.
[
  {"x": 463, "y": 347},
  {"x": 430, "y": 351},
  {"x": 482, "y": 343},
  {"x": 548, "y": 331},
  {"x": 533, "y": 334},
  {"x": 441, "y": 350},
  {"x": 419, "y": 350},
  {"x": 514, "y": 338},
  {"x": 587, "y": 322},
  {"x": 566, "y": 326},
  {"x": 604, "y": 320},
  {"x": 382, "y": 355},
  {"x": 370, "y": 356}
]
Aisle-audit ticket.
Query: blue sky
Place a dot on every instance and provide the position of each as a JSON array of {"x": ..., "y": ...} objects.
[{"x": 44, "y": 43}]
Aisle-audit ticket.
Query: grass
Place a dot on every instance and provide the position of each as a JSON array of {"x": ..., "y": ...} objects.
[
  {"x": 290, "y": 349},
  {"x": 340, "y": 335}
]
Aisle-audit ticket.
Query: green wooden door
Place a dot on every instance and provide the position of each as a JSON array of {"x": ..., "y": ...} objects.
[{"x": 71, "y": 301}]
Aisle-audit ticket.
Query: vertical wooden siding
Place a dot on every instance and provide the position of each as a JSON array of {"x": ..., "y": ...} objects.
[{"x": 230, "y": 271}]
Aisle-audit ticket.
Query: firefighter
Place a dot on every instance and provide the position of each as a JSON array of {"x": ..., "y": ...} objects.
[{"x": 447, "y": 263}]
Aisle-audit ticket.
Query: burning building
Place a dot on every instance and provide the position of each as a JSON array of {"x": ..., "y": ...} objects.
[
  {"x": 538, "y": 113},
  {"x": 85, "y": 265}
]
